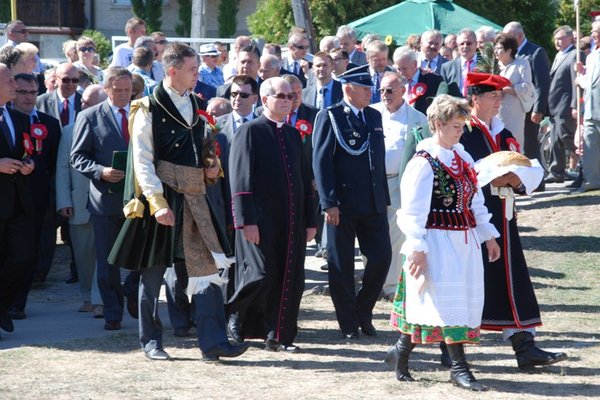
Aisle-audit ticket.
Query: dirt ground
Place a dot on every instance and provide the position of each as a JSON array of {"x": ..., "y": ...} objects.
[{"x": 561, "y": 236}]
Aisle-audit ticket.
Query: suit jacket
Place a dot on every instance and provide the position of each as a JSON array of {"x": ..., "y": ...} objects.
[
  {"x": 72, "y": 188},
  {"x": 49, "y": 103},
  {"x": 15, "y": 189},
  {"x": 540, "y": 74},
  {"x": 43, "y": 177},
  {"x": 591, "y": 83},
  {"x": 95, "y": 136},
  {"x": 441, "y": 60},
  {"x": 432, "y": 81},
  {"x": 452, "y": 72},
  {"x": 225, "y": 92},
  {"x": 358, "y": 57},
  {"x": 357, "y": 184},
  {"x": 309, "y": 94},
  {"x": 207, "y": 91},
  {"x": 285, "y": 64},
  {"x": 562, "y": 75}
]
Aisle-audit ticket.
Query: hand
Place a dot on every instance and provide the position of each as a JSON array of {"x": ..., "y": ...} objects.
[
  {"x": 310, "y": 234},
  {"x": 579, "y": 67},
  {"x": 212, "y": 172},
  {"x": 508, "y": 179},
  {"x": 536, "y": 117},
  {"x": 332, "y": 216},
  {"x": 508, "y": 90},
  {"x": 165, "y": 216},
  {"x": 426, "y": 70},
  {"x": 10, "y": 166},
  {"x": 251, "y": 234},
  {"x": 417, "y": 262},
  {"x": 493, "y": 250},
  {"x": 112, "y": 175},
  {"x": 27, "y": 166},
  {"x": 574, "y": 113},
  {"x": 66, "y": 212}
]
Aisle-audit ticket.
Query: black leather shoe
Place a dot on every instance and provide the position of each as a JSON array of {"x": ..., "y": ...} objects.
[
  {"x": 157, "y": 354},
  {"x": 226, "y": 350},
  {"x": 529, "y": 355},
  {"x": 368, "y": 329},
  {"x": 181, "y": 332},
  {"x": 6, "y": 322},
  {"x": 234, "y": 329},
  {"x": 554, "y": 179},
  {"x": 272, "y": 345},
  {"x": 112, "y": 325},
  {"x": 352, "y": 336}
]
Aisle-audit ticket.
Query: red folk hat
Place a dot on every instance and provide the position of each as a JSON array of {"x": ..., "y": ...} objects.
[{"x": 478, "y": 83}]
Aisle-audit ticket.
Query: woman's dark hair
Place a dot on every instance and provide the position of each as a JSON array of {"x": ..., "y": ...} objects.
[{"x": 508, "y": 43}]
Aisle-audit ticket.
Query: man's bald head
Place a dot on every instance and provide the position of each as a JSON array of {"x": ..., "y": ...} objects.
[
  {"x": 92, "y": 95},
  {"x": 515, "y": 29}
]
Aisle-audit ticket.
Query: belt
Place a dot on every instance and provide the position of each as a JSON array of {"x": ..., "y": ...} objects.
[{"x": 390, "y": 176}]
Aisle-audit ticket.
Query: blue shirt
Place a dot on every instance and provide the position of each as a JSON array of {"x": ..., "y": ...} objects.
[{"x": 213, "y": 77}]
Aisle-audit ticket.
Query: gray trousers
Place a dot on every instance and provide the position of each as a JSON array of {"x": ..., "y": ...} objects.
[
  {"x": 84, "y": 253},
  {"x": 591, "y": 154}
]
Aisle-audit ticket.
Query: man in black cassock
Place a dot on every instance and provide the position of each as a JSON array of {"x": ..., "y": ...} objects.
[{"x": 273, "y": 206}]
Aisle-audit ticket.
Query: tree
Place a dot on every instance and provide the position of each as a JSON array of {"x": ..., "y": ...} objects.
[
  {"x": 150, "y": 11},
  {"x": 103, "y": 47},
  {"x": 185, "y": 18},
  {"x": 5, "y": 15},
  {"x": 566, "y": 14},
  {"x": 272, "y": 20},
  {"x": 228, "y": 10}
]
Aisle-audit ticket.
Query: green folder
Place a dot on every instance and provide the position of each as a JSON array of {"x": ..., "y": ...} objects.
[{"x": 119, "y": 161}]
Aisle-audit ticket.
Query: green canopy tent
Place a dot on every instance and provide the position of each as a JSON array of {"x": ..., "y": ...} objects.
[{"x": 396, "y": 23}]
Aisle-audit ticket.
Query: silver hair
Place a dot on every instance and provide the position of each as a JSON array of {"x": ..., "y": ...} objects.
[
  {"x": 142, "y": 41},
  {"x": 404, "y": 52},
  {"x": 270, "y": 58},
  {"x": 445, "y": 108},
  {"x": 346, "y": 30},
  {"x": 431, "y": 33},
  {"x": 514, "y": 27},
  {"x": 266, "y": 88},
  {"x": 327, "y": 40},
  {"x": 114, "y": 73},
  {"x": 488, "y": 33},
  {"x": 467, "y": 32}
]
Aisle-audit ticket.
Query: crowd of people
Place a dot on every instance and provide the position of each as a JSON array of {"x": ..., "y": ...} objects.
[{"x": 211, "y": 170}]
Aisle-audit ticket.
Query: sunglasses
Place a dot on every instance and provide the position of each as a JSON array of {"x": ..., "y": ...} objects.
[
  {"x": 213, "y": 56},
  {"x": 387, "y": 91},
  {"x": 28, "y": 92},
  {"x": 87, "y": 49},
  {"x": 69, "y": 80},
  {"x": 300, "y": 47},
  {"x": 284, "y": 96},
  {"x": 466, "y": 44},
  {"x": 163, "y": 41},
  {"x": 23, "y": 31},
  {"x": 241, "y": 94}
]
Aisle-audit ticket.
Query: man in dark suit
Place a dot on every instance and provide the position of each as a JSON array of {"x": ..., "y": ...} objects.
[
  {"x": 324, "y": 91},
  {"x": 540, "y": 74},
  {"x": 99, "y": 132},
  {"x": 16, "y": 203},
  {"x": 65, "y": 102},
  {"x": 295, "y": 62},
  {"x": 457, "y": 69},
  {"x": 248, "y": 62},
  {"x": 349, "y": 168},
  {"x": 377, "y": 64},
  {"x": 420, "y": 85},
  {"x": 562, "y": 75},
  {"x": 347, "y": 37},
  {"x": 430, "y": 58},
  {"x": 205, "y": 90},
  {"x": 45, "y": 135}
]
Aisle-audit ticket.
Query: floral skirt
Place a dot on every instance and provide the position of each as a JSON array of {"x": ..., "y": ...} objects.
[{"x": 424, "y": 334}]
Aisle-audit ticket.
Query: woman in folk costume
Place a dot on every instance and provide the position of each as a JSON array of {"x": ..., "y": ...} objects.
[
  {"x": 440, "y": 292},
  {"x": 510, "y": 302}
]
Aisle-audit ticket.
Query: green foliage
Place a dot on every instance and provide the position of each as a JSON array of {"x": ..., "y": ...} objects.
[
  {"x": 228, "y": 10},
  {"x": 185, "y": 18},
  {"x": 103, "y": 47},
  {"x": 150, "y": 11},
  {"x": 274, "y": 18},
  {"x": 5, "y": 15},
  {"x": 487, "y": 62},
  {"x": 566, "y": 14}
]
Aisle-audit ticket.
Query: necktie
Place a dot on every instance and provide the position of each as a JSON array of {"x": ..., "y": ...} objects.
[
  {"x": 321, "y": 102},
  {"x": 124, "y": 125},
  {"x": 296, "y": 68},
  {"x": 243, "y": 120},
  {"x": 468, "y": 69},
  {"x": 360, "y": 116},
  {"x": 409, "y": 91},
  {"x": 376, "y": 97},
  {"x": 5, "y": 129},
  {"x": 428, "y": 66},
  {"x": 290, "y": 118},
  {"x": 64, "y": 114}
]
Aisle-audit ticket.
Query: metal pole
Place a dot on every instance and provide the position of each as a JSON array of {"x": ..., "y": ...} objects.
[
  {"x": 578, "y": 88},
  {"x": 13, "y": 9}
]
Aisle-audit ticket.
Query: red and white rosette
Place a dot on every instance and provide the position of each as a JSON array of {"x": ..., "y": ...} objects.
[
  {"x": 38, "y": 133},
  {"x": 417, "y": 91},
  {"x": 304, "y": 127},
  {"x": 513, "y": 145},
  {"x": 27, "y": 144}
]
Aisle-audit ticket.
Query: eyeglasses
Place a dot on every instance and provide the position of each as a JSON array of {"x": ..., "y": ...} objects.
[
  {"x": 23, "y": 31},
  {"x": 241, "y": 94},
  {"x": 213, "y": 56},
  {"x": 69, "y": 80},
  {"x": 300, "y": 47},
  {"x": 87, "y": 49},
  {"x": 466, "y": 44},
  {"x": 162, "y": 41},
  {"x": 284, "y": 96},
  {"x": 28, "y": 92},
  {"x": 387, "y": 91}
]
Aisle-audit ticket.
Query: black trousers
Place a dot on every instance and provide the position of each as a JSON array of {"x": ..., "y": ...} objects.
[
  {"x": 372, "y": 231},
  {"x": 16, "y": 238},
  {"x": 531, "y": 147},
  {"x": 563, "y": 140}
]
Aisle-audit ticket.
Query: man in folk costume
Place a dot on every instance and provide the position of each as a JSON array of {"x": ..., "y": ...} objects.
[
  {"x": 273, "y": 208},
  {"x": 510, "y": 302},
  {"x": 169, "y": 170}
]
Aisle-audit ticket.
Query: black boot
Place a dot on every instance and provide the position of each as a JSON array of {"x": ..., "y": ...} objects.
[
  {"x": 460, "y": 374},
  {"x": 397, "y": 357},
  {"x": 234, "y": 329},
  {"x": 445, "y": 359},
  {"x": 528, "y": 355}
]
